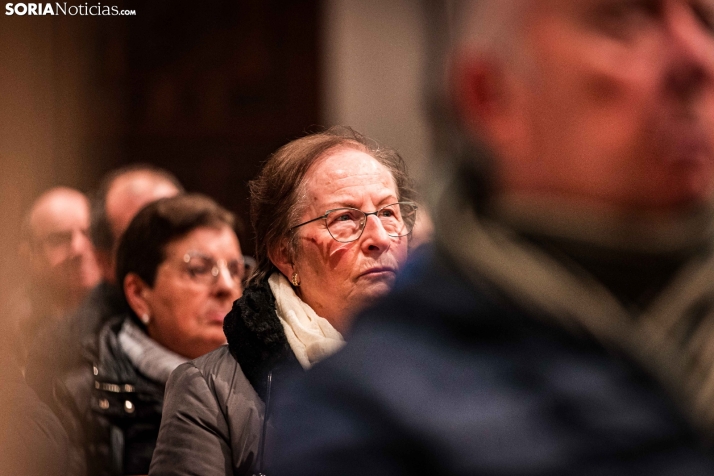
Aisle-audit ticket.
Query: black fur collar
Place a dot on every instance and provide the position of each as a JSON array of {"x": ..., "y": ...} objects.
[{"x": 256, "y": 338}]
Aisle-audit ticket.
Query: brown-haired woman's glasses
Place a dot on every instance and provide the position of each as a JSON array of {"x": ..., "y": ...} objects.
[{"x": 347, "y": 224}]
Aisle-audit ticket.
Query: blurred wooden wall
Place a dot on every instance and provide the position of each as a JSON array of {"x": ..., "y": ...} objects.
[
  {"x": 44, "y": 114},
  {"x": 205, "y": 89},
  {"x": 210, "y": 92}
]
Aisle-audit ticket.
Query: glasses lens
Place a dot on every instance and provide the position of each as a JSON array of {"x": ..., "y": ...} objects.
[
  {"x": 200, "y": 269},
  {"x": 249, "y": 266},
  {"x": 236, "y": 270},
  {"x": 345, "y": 224},
  {"x": 398, "y": 219},
  {"x": 205, "y": 270}
]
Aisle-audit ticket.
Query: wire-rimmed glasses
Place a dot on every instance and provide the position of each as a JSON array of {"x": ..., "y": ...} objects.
[{"x": 347, "y": 224}]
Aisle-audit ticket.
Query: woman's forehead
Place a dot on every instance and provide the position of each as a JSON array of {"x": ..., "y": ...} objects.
[
  {"x": 207, "y": 240},
  {"x": 346, "y": 169}
]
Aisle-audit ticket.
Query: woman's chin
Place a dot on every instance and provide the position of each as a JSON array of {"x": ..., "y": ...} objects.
[
  {"x": 376, "y": 289},
  {"x": 215, "y": 318},
  {"x": 210, "y": 343},
  {"x": 379, "y": 278}
]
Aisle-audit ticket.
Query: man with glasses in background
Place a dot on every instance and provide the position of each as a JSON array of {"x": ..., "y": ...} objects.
[
  {"x": 60, "y": 264},
  {"x": 120, "y": 195}
]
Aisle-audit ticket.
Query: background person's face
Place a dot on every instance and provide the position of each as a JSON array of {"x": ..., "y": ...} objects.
[
  {"x": 339, "y": 278},
  {"x": 63, "y": 256},
  {"x": 617, "y": 102},
  {"x": 127, "y": 195},
  {"x": 187, "y": 316}
]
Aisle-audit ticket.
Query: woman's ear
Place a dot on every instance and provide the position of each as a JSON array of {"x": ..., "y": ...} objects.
[
  {"x": 489, "y": 94},
  {"x": 137, "y": 293},
  {"x": 281, "y": 259}
]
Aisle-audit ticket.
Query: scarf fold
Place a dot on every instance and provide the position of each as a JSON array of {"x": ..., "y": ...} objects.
[
  {"x": 311, "y": 337},
  {"x": 672, "y": 338},
  {"x": 148, "y": 356}
]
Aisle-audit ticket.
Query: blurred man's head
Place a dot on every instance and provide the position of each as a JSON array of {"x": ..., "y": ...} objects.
[
  {"x": 607, "y": 103},
  {"x": 121, "y": 195},
  {"x": 56, "y": 244}
]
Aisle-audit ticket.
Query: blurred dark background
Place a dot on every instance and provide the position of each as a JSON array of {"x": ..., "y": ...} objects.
[{"x": 204, "y": 89}]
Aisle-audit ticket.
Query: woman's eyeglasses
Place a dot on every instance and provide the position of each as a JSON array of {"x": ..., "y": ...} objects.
[
  {"x": 205, "y": 270},
  {"x": 347, "y": 224}
]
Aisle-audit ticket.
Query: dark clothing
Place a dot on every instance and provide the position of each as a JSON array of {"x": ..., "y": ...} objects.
[
  {"x": 125, "y": 415},
  {"x": 111, "y": 410},
  {"x": 215, "y": 405},
  {"x": 212, "y": 419},
  {"x": 634, "y": 278},
  {"x": 57, "y": 350},
  {"x": 32, "y": 440},
  {"x": 445, "y": 377},
  {"x": 59, "y": 366}
]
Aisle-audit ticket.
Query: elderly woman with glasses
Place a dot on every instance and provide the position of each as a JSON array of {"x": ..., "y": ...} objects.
[
  {"x": 332, "y": 214},
  {"x": 181, "y": 268}
]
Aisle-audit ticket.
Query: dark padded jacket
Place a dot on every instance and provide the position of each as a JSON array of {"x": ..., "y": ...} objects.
[
  {"x": 59, "y": 349},
  {"x": 213, "y": 419},
  {"x": 112, "y": 411},
  {"x": 32, "y": 439}
]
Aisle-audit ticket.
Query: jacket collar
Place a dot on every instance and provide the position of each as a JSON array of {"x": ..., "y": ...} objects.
[{"x": 256, "y": 338}]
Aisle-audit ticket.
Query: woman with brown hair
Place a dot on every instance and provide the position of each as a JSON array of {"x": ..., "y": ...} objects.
[
  {"x": 332, "y": 213},
  {"x": 180, "y": 266}
]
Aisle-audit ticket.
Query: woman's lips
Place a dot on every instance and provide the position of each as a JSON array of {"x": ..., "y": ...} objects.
[
  {"x": 380, "y": 271},
  {"x": 216, "y": 317}
]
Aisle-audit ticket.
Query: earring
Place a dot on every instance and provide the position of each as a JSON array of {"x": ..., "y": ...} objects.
[
  {"x": 145, "y": 318},
  {"x": 295, "y": 280}
]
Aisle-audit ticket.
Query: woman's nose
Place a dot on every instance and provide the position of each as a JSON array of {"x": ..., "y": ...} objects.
[
  {"x": 225, "y": 282},
  {"x": 375, "y": 237}
]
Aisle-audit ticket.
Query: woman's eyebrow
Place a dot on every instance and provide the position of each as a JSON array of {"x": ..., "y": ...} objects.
[
  {"x": 338, "y": 203},
  {"x": 352, "y": 203}
]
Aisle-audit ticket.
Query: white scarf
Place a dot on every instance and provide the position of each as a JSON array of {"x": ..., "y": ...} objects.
[{"x": 311, "y": 337}]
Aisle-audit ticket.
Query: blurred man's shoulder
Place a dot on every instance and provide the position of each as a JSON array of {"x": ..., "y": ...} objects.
[
  {"x": 433, "y": 295},
  {"x": 59, "y": 347},
  {"x": 449, "y": 364},
  {"x": 103, "y": 302}
]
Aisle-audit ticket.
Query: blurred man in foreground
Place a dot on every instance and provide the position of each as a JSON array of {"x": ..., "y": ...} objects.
[
  {"x": 564, "y": 322},
  {"x": 61, "y": 266},
  {"x": 120, "y": 196}
]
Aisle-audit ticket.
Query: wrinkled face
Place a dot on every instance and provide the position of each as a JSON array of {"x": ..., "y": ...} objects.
[
  {"x": 337, "y": 279},
  {"x": 613, "y": 102},
  {"x": 62, "y": 254},
  {"x": 186, "y": 305}
]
